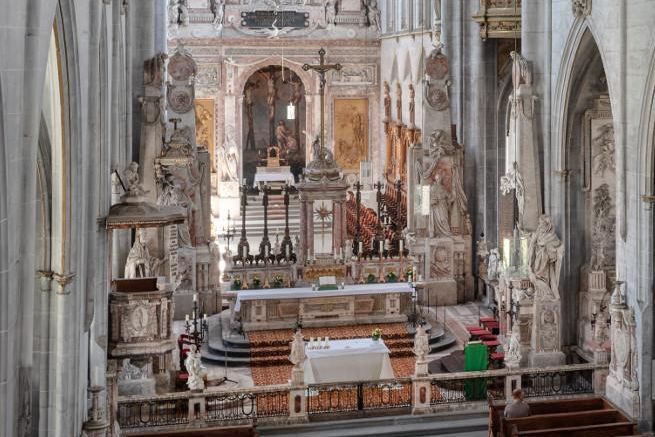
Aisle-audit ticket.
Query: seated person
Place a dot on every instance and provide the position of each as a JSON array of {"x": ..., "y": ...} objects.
[{"x": 518, "y": 407}]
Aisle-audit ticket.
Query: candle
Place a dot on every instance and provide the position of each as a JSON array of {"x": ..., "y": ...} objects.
[
  {"x": 266, "y": 251},
  {"x": 288, "y": 251},
  {"x": 205, "y": 316},
  {"x": 244, "y": 253},
  {"x": 194, "y": 314},
  {"x": 96, "y": 376},
  {"x": 186, "y": 318},
  {"x": 401, "y": 246},
  {"x": 195, "y": 297},
  {"x": 381, "y": 247},
  {"x": 360, "y": 247}
]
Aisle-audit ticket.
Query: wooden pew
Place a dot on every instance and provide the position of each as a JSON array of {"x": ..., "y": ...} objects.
[
  {"x": 551, "y": 407},
  {"x": 605, "y": 430},
  {"x": 563, "y": 420}
]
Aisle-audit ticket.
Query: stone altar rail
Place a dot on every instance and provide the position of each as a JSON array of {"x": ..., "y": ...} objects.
[
  {"x": 354, "y": 304},
  {"x": 281, "y": 404}
]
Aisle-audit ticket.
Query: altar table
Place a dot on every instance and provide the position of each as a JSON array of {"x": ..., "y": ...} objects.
[
  {"x": 273, "y": 174},
  {"x": 359, "y": 359}
]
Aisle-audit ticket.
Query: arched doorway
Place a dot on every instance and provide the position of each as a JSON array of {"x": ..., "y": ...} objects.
[{"x": 267, "y": 121}]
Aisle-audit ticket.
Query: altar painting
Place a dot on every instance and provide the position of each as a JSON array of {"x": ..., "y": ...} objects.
[{"x": 350, "y": 133}]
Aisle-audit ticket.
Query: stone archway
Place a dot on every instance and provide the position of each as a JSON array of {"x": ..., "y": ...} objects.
[
  {"x": 265, "y": 121},
  {"x": 588, "y": 197}
]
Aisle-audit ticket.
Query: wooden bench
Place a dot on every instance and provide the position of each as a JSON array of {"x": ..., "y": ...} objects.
[
  {"x": 557, "y": 417},
  {"x": 605, "y": 430}
]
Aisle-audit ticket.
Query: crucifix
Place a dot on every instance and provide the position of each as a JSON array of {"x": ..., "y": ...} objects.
[{"x": 321, "y": 69}]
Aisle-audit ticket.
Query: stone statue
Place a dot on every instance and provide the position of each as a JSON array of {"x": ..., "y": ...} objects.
[
  {"x": 399, "y": 102},
  {"x": 521, "y": 73},
  {"x": 387, "y": 101},
  {"x": 545, "y": 251},
  {"x": 217, "y": 7},
  {"x": 178, "y": 12},
  {"x": 412, "y": 104},
  {"x": 421, "y": 344},
  {"x": 139, "y": 263},
  {"x": 297, "y": 356},
  {"x": 131, "y": 180},
  {"x": 330, "y": 7},
  {"x": 373, "y": 14},
  {"x": 513, "y": 354},
  {"x": 493, "y": 263},
  {"x": 441, "y": 202},
  {"x": 195, "y": 369},
  {"x": 228, "y": 158}
]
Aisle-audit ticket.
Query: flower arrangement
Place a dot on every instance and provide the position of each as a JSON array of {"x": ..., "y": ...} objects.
[
  {"x": 376, "y": 334},
  {"x": 236, "y": 283},
  {"x": 370, "y": 279},
  {"x": 391, "y": 277},
  {"x": 256, "y": 282},
  {"x": 278, "y": 281}
]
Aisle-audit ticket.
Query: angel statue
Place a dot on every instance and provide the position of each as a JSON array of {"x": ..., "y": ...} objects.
[{"x": 131, "y": 180}]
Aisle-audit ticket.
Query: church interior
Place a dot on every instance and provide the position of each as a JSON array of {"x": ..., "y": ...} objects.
[{"x": 327, "y": 217}]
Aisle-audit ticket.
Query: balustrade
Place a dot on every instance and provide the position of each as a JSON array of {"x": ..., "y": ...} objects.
[{"x": 422, "y": 394}]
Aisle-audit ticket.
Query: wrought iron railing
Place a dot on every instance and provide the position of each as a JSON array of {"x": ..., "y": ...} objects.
[
  {"x": 141, "y": 413},
  {"x": 469, "y": 389},
  {"x": 359, "y": 396},
  {"x": 557, "y": 383}
]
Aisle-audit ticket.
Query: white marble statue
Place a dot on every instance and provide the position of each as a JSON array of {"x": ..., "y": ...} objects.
[
  {"x": 493, "y": 263},
  {"x": 297, "y": 356},
  {"x": 139, "y": 263},
  {"x": 421, "y": 344},
  {"x": 195, "y": 369},
  {"x": 441, "y": 202},
  {"x": 217, "y": 7},
  {"x": 545, "y": 251},
  {"x": 330, "y": 7},
  {"x": 513, "y": 354},
  {"x": 228, "y": 158},
  {"x": 132, "y": 181},
  {"x": 373, "y": 14},
  {"x": 521, "y": 73}
]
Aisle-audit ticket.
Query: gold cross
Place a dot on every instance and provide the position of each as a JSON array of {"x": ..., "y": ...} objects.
[{"x": 321, "y": 69}]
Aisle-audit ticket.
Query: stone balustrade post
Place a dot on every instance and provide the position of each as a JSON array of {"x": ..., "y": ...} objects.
[
  {"x": 512, "y": 382},
  {"x": 599, "y": 378},
  {"x": 421, "y": 395},
  {"x": 298, "y": 402},
  {"x": 200, "y": 402}
]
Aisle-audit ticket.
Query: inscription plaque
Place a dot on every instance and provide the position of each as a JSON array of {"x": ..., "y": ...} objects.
[{"x": 281, "y": 19}]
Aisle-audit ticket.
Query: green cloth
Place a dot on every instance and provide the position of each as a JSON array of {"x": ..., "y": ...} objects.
[{"x": 476, "y": 356}]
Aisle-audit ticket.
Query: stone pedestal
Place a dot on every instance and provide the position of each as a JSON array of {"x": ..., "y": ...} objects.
[
  {"x": 421, "y": 396},
  {"x": 623, "y": 396},
  {"x": 545, "y": 345},
  {"x": 298, "y": 404}
]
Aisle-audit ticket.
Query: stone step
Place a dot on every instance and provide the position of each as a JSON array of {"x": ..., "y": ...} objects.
[{"x": 474, "y": 424}]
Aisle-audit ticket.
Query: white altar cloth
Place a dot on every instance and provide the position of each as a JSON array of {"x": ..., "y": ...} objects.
[
  {"x": 359, "y": 359},
  {"x": 307, "y": 292},
  {"x": 273, "y": 174}
]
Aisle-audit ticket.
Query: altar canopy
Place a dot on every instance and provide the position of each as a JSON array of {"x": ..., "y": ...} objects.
[{"x": 359, "y": 359}]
